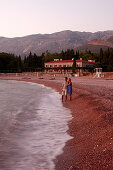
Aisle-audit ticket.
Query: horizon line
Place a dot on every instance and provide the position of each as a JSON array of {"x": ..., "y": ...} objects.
[{"x": 52, "y": 33}]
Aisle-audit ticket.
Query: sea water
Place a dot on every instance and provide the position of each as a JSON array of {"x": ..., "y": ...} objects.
[{"x": 33, "y": 126}]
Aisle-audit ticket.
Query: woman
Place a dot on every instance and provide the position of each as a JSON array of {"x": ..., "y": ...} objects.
[
  {"x": 64, "y": 89},
  {"x": 69, "y": 84}
]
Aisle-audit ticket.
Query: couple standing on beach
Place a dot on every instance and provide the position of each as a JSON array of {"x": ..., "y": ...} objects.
[{"x": 66, "y": 88}]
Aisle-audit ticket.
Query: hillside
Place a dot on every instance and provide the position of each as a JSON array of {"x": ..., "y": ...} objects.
[
  {"x": 96, "y": 44},
  {"x": 56, "y": 42},
  {"x": 104, "y": 42}
]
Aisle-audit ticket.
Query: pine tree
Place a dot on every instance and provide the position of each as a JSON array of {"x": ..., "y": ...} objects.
[
  {"x": 74, "y": 65},
  {"x": 19, "y": 69},
  {"x": 101, "y": 55},
  {"x": 110, "y": 59}
]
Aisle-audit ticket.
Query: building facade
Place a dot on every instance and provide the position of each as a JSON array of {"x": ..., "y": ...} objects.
[{"x": 66, "y": 65}]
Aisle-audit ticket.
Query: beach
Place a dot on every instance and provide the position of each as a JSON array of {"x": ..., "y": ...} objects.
[{"x": 91, "y": 127}]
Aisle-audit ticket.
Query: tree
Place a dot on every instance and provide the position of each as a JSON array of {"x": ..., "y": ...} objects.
[
  {"x": 74, "y": 65},
  {"x": 77, "y": 55},
  {"x": 62, "y": 55},
  {"x": 109, "y": 68},
  {"x": 19, "y": 68},
  {"x": 101, "y": 55},
  {"x": 110, "y": 59}
]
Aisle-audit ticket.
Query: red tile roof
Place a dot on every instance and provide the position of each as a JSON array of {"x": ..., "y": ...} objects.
[
  {"x": 65, "y": 61},
  {"x": 61, "y": 61},
  {"x": 83, "y": 61}
]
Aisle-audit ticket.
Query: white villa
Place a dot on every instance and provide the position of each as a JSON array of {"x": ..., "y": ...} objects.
[{"x": 66, "y": 65}]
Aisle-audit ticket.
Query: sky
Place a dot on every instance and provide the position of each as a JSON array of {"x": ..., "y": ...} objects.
[{"x": 25, "y": 17}]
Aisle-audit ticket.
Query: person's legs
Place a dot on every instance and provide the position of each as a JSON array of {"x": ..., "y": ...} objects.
[
  {"x": 70, "y": 97},
  {"x": 65, "y": 95},
  {"x": 62, "y": 97}
]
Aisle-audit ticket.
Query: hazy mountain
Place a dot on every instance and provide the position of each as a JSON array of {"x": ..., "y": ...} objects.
[
  {"x": 96, "y": 44},
  {"x": 56, "y": 42}
]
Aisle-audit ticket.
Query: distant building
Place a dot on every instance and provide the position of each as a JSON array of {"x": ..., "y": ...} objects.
[{"x": 66, "y": 65}]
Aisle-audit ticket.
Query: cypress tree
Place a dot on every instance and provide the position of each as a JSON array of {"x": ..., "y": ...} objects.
[
  {"x": 101, "y": 55},
  {"x": 74, "y": 65}
]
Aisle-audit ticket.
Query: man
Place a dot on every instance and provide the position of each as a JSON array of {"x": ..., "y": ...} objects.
[{"x": 64, "y": 89}]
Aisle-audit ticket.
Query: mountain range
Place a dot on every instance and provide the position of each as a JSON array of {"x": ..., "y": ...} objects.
[{"x": 56, "y": 42}]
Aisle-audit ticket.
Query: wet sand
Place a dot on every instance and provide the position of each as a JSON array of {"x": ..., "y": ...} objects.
[{"x": 91, "y": 127}]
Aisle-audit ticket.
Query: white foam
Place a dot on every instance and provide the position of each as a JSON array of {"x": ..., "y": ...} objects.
[{"x": 39, "y": 124}]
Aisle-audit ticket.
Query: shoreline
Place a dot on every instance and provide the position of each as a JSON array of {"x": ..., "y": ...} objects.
[{"x": 91, "y": 127}]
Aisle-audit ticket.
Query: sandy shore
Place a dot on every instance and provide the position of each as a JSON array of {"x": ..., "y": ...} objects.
[{"x": 91, "y": 126}]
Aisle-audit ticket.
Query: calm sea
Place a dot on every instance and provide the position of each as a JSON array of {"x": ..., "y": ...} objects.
[{"x": 33, "y": 125}]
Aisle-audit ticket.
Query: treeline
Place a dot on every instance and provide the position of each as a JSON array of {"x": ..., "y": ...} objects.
[
  {"x": 64, "y": 55},
  {"x": 12, "y": 63},
  {"x": 32, "y": 62},
  {"x": 103, "y": 59}
]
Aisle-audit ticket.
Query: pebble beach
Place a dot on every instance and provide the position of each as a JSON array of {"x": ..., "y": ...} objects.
[{"x": 91, "y": 126}]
